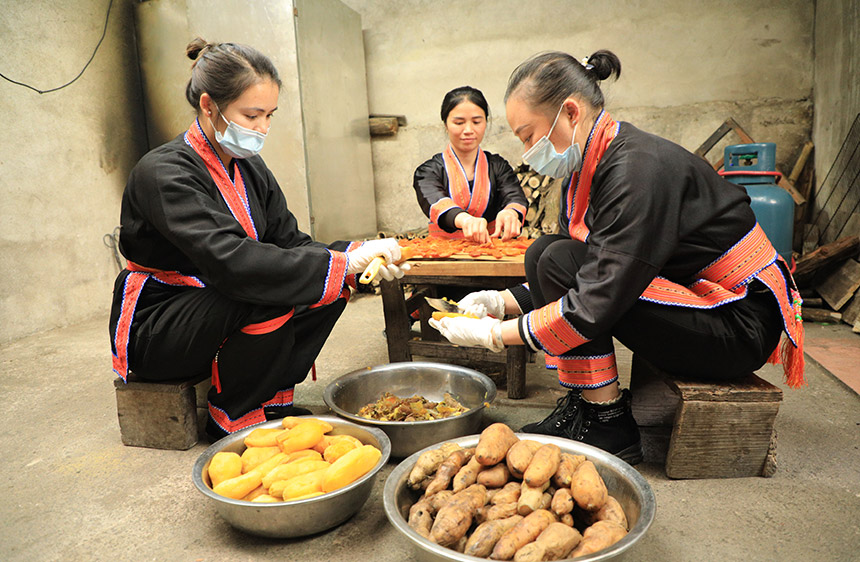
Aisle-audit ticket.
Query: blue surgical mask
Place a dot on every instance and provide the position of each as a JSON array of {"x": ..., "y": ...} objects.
[
  {"x": 237, "y": 141},
  {"x": 543, "y": 158}
]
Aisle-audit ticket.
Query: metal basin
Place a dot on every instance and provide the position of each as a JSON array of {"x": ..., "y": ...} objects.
[
  {"x": 295, "y": 518},
  {"x": 348, "y": 394},
  {"x": 623, "y": 482}
]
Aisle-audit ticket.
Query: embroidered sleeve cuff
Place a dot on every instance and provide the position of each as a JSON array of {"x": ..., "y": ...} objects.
[
  {"x": 523, "y": 297},
  {"x": 334, "y": 279},
  {"x": 551, "y": 331}
]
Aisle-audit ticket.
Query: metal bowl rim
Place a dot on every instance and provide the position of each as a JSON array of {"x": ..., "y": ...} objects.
[
  {"x": 206, "y": 456},
  {"x": 647, "y": 510},
  {"x": 328, "y": 394}
]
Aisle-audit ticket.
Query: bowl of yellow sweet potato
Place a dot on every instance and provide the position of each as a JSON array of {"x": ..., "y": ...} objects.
[
  {"x": 430, "y": 402},
  {"x": 292, "y": 477},
  {"x": 502, "y": 495}
]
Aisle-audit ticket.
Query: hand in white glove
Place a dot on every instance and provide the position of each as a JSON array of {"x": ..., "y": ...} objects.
[
  {"x": 483, "y": 303},
  {"x": 471, "y": 332},
  {"x": 361, "y": 257},
  {"x": 394, "y": 271}
]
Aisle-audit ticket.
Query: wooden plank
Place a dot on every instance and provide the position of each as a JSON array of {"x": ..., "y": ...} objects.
[
  {"x": 383, "y": 126},
  {"x": 751, "y": 388},
  {"x": 841, "y": 285},
  {"x": 444, "y": 350},
  {"x": 801, "y": 162},
  {"x": 852, "y": 310},
  {"x": 396, "y": 320},
  {"x": 837, "y": 182},
  {"x": 720, "y": 439},
  {"x": 820, "y": 315},
  {"x": 464, "y": 268},
  {"x": 847, "y": 247},
  {"x": 654, "y": 402},
  {"x": 515, "y": 371}
]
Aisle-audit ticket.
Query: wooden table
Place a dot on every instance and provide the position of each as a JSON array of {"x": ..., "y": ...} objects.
[{"x": 426, "y": 276}]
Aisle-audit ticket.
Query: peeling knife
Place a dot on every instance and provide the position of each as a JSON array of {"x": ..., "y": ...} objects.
[{"x": 442, "y": 305}]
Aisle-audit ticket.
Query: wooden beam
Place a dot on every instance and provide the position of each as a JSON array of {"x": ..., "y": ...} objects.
[
  {"x": 820, "y": 315},
  {"x": 383, "y": 126},
  {"x": 801, "y": 162},
  {"x": 843, "y": 248},
  {"x": 840, "y": 285}
]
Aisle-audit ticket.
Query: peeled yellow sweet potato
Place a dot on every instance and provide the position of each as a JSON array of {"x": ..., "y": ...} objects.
[
  {"x": 263, "y": 437},
  {"x": 255, "y": 493},
  {"x": 350, "y": 467},
  {"x": 293, "y": 469},
  {"x": 223, "y": 466},
  {"x": 543, "y": 465},
  {"x": 302, "y": 436},
  {"x": 493, "y": 444},
  {"x": 338, "y": 449},
  {"x": 299, "y": 486},
  {"x": 587, "y": 487},
  {"x": 241, "y": 485},
  {"x": 253, "y": 456},
  {"x": 290, "y": 422},
  {"x": 303, "y": 454},
  {"x": 265, "y": 498}
]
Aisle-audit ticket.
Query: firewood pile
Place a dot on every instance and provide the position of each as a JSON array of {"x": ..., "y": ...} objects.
[{"x": 544, "y": 196}]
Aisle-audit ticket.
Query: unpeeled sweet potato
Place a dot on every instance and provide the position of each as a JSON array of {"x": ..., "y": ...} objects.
[
  {"x": 428, "y": 463},
  {"x": 520, "y": 455},
  {"x": 531, "y": 498},
  {"x": 467, "y": 475},
  {"x": 611, "y": 511},
  {"x": 543, "y": 465},
  {"x": 562, "y": 501},
  {"x": 454, "y": 518},
  {"x": 521, "y": 534},
  {"x": 587, "y": 487},
  {"x": 494, "y": 476},
  {"x": 494, "y": 443},
  {"x": 487, "y": 534},
  {"x": 554, "y": 543},
  {"x": 449, "y": 467},
  {"x": 509, "y": 493},
  {"x": 598, "y": 536},
  {"x": 566, "y": 467}
]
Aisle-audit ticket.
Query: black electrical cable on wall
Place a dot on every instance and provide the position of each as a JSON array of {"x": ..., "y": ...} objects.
[{"x": 104, "y": 32}]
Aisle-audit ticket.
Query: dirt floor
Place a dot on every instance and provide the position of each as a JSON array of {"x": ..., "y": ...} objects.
[{"x": 72, "y": 491}]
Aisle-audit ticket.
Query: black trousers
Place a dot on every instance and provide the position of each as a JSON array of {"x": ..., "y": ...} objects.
[
  {"x": 177, "y": 333},
  {"x": 722, "y": 343}
]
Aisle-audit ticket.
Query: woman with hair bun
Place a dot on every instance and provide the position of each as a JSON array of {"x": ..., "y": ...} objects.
[
  {"x": 465, "y": 191},
  {"x": 658, "y": 251},
  {"x": 219, "y": 278}
]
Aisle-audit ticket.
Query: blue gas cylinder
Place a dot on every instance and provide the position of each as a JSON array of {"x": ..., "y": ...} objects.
[{"x": 754, "y": 167}]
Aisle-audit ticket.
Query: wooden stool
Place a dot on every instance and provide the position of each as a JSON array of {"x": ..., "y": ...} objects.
[
  {"x": 718, "y": 430},
  {"x": 161, "y": 415}
]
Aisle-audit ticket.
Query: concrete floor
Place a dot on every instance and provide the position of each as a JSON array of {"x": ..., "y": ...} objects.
[{"x": 72, "y": 491}]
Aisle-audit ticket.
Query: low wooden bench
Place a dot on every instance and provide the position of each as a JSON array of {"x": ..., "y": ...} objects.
[
  {"x": 707, "y": 430},
  {"x": 161, "y": 415}
]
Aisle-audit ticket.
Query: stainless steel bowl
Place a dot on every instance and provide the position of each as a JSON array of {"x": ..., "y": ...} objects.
[
  {"x": 348, "y": 394},
  {"x": 295, "y": 518},
  {"x": 623, "y": 482}
]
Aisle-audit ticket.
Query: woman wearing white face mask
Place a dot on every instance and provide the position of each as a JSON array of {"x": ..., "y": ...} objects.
[
  {"x": 658, "y": 251},
  {"x": 219, "y": 278}
]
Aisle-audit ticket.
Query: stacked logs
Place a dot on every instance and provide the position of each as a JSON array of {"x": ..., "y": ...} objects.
[{"x": 544, "y": 196}]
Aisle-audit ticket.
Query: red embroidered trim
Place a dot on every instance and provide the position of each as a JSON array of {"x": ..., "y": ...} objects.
[
  {"x": 220, "y": 417},
  {"x": 551, "y": 330},
  {"x": 268, "y": 326},
  {"x": 587, "y": 372}
]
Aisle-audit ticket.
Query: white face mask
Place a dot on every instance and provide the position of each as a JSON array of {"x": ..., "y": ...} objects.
[
  {"x": 237, "y": 141},
  {"x": 544, "y": 159}
]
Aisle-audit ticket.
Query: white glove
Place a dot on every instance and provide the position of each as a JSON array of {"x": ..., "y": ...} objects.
[
  {"x": 483, "y": 303},
  {"x": 394, "y": 271},
  {"x": 361, "y": 257},
  {"x": 471, "y": 332}
]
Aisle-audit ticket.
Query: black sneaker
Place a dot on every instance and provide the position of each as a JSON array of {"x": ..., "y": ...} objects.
[
  {"x": 567, "y": 411},
  {"x": 610, "y": 427}
]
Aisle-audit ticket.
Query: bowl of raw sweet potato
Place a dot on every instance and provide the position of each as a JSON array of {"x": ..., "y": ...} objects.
[
  {"x": 526, "y": 497},
  {"x": 292, "y": 477}
]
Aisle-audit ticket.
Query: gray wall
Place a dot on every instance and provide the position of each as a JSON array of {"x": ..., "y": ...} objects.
[
  {"x": 686, "y": 67},
  {"x": 64, "y": 160},
  {"x": 837, "y": 78}
]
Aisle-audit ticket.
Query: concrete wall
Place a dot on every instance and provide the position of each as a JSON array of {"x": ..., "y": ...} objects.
[
  {"x": 686, "y": 67},
  {"x": 65, "y": 158},
  {"x": 837, "y": 78}
]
